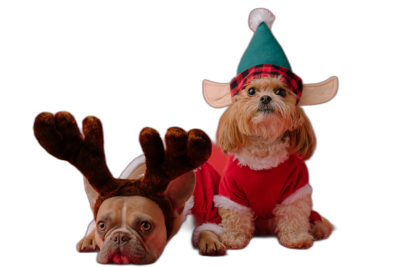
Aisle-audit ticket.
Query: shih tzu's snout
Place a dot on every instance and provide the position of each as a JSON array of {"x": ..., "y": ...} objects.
[
  {"x": 265, "y": 99},
  {"x": 264, "y": 104}
]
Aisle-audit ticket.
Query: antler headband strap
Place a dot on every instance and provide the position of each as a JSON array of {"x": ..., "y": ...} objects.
[{"x": 264, "y": 70}]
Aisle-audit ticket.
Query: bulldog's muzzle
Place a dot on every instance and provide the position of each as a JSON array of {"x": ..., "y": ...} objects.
[{"x": 122, "y": 247}]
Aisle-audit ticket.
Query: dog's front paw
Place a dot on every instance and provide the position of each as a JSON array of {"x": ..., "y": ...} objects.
[
  {"x": 210, "y": 244},
  {"x": 296, "y": 240},
  {"x": 87, "y": 244},
  {"x": 235, "y": 241}
]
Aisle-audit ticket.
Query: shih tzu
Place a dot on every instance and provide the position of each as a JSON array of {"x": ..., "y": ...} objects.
[{"x": 264, "y": 188}]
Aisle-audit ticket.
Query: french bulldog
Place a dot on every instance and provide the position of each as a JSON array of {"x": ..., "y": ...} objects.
[{"x": 136, "y": 215}]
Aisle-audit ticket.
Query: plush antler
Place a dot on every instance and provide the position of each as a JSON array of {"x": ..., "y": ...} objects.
[
  {"x": 59, "y": 135},
  {"x": 184, "y": 152}
]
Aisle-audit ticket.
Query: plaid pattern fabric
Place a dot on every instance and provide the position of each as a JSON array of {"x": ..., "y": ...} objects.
[{"x": 264, "y": 70}]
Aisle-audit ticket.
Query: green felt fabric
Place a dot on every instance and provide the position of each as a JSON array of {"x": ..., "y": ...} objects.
[{"x": 263, "y": 49}]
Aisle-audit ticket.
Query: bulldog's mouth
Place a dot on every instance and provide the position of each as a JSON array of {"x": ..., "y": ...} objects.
[
  {"x": 123, "y": 249},
  {"x": 120, "y": 259}
]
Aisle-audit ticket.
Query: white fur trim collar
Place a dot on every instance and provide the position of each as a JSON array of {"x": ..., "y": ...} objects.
[
  {"x": 299, "y": 194},
  {"x": 226, "y": 203},
  {"x": 278, "y": 155},
  {"x": 188, "y": 208}
]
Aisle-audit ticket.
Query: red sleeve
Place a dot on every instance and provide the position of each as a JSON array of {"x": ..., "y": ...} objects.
[
  {"x": 297, "y": 185},
  {"x": 212, "y": 215},
  {"x": 229, "y": 186}
]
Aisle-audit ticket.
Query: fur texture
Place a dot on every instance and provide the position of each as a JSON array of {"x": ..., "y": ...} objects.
[
  {"x": 233, "y": 215},
  {"x": 292, "y": 225},
  {"x": 262, "y": 127}
]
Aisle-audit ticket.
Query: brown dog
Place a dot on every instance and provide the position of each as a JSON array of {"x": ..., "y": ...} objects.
[
  {"x": 268, "y": 137},
  {"x": 135, "y": 217},
  {"x": 265, "y": 188}
]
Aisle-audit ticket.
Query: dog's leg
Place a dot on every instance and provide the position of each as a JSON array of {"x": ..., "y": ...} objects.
[
  {"x": 238, "y": 227},
  {"x": 87, "y": 244},
  {"x": 293, "y": 226}
]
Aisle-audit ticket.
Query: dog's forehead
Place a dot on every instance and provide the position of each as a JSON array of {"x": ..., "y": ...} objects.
[{"x": 132, "y": 204}]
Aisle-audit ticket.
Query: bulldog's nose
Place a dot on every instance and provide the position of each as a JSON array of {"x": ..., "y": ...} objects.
[
  {"x": 121, "y": 238},
  {"x": 265, "y": 99}
]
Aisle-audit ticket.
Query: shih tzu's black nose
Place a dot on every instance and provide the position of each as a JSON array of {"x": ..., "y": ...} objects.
[{"x": 265, "y": 99}]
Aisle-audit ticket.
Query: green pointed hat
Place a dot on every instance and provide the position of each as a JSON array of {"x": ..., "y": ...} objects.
[
  {"x": 265, "y": 57},
  {"x": 263, "y": 47}
]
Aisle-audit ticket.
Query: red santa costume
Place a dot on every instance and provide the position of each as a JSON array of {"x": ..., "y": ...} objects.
[{"x": 260, "y": 188}]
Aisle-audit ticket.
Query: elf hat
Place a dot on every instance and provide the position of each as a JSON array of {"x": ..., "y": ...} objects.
[{"x": 264, "y": 57}]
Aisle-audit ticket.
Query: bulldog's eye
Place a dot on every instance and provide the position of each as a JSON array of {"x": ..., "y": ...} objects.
[
  {"x": 281, "y": 92},
  {"x": 101, "y": 226},
  {"x": 145, "y": 226},
  {"x": 251, "y": 92}
]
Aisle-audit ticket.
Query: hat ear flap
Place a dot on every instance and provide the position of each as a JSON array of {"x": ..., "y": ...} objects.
[
  {"x": 217, "y": 95},
  {"x": 319, "y": 93}
]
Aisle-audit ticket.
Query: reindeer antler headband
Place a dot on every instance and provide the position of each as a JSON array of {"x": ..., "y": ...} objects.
[{"x": 59, "y": 135}]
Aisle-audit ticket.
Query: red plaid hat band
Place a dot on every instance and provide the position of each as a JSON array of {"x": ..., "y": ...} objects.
[{"x": 264, "y": 70}]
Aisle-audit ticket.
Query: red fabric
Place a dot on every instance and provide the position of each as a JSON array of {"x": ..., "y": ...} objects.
[
  {"x": 217, "y": 160},
  {"x": 207, "y": 183},
  {"x": 264, "y": 70},
  {"x": 263, "y": 190}
]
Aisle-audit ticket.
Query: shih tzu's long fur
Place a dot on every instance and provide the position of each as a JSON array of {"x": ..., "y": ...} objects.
[{"x": 261, "y": 128}]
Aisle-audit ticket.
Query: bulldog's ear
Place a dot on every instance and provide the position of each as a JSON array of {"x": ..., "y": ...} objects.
[
  {"x": 90, "y": 193},
  {"x": 180, "y": 190}
]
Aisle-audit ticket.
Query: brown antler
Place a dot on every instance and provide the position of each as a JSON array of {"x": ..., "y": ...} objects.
[
  {"x": 59, "y": 135},
  {"x": 184, "y": 152}
]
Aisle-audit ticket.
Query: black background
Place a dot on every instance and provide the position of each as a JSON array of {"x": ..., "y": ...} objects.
[{"x": 143, "y": 66}]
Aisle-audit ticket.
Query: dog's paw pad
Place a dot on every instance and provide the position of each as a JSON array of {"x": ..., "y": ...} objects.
[
  {"x": 212, "y": 248},
  {"x": 210, "y": 245}
]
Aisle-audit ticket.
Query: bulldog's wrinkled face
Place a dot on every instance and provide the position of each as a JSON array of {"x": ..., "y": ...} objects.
[{"x": 130, "y": 230}]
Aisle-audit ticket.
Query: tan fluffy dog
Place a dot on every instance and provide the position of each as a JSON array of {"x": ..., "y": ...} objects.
[{"x": 260, "y": 129}]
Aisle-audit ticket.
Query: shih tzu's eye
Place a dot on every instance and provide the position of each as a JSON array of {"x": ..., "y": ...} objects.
[
  {"x": 281, "y": 92},
  {"x": 101, "y": 226},
  {"x": 145, "y": 226},
  {"x": 251, "y": 92}
]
